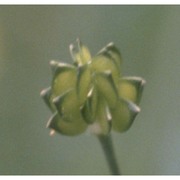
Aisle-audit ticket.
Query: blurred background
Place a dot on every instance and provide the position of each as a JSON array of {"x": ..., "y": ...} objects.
[{"x": 149, "y": 40}]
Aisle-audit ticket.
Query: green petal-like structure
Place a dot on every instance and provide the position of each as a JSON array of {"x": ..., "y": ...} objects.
[{"x": 91, "y": 93}]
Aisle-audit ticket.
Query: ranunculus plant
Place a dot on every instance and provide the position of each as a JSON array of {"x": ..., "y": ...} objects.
[{"x": 91, "y": 94}]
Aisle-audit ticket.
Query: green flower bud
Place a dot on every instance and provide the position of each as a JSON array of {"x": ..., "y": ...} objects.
[{"x": 91, "y": 93}]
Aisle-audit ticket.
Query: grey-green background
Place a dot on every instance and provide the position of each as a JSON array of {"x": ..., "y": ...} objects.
[{"x": 149, "y": 40}]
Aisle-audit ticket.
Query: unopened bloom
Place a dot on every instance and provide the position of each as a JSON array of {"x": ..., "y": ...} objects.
[{"x": 92, "y": 93}]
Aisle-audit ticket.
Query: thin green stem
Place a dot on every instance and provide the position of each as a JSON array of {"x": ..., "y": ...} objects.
[{"x": 107, "y": 146}]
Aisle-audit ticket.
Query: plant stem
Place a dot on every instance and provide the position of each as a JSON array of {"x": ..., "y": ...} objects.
[{"x": 107, "y": 146}]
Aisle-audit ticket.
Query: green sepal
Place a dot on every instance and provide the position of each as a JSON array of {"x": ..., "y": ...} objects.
[
  {"x": 68, "y": 106},
  {"x": 81, "y": 55},
  {"x": 113, "y": 53},
  {"x": 106, "y": 87},
  {"x": 123, "y": 115},
  {"x": 103, "y": 62},
  {"x": 65, "y": 78},
  {"x": 63, "y": 127},
  {"x": 46, "y": 95},
  {"x": 131, "y": 88},
  {"x": 88, "y": 110},
  {"x": 83, "y": 82}
]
